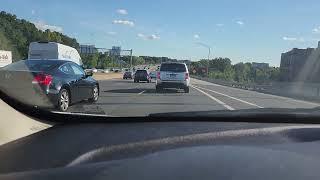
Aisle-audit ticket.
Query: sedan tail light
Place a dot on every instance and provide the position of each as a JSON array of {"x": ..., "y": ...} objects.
[
  {"x": 186, "y": 76},
  {"x": 42, "y": 79},
  {"x": 158, "y": 75}
]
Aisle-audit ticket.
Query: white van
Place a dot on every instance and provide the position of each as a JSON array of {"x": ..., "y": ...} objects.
[
  {"x": 53, "y": 50},
  {"x": 5, "y": 58}
]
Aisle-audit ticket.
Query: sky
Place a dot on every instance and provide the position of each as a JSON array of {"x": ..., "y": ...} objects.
[{"x": 242, "y": 30}]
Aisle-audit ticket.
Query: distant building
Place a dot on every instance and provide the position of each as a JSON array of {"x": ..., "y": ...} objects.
[
  {"x": 88, "y": 49},
  {"x": 301, "y": 65},
  {"x": 115, "y": 51},
  {"x": 256, "y": 65}
]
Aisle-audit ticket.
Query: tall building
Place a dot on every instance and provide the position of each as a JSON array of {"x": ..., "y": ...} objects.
[
  {"x": 88, "y": 49},
  {"x": 301, "y": 65}
]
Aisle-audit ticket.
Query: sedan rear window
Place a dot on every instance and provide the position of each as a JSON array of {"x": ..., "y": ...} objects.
[
  {"x": 173, "y": 67},
  {"x": 37, "y": 65}
]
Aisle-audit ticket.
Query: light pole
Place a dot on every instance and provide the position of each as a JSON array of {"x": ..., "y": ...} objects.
[{"x": 209, "y": 52}]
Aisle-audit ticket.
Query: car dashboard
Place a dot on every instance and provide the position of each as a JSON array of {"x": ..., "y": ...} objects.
[{"x": 165, "y": 150}]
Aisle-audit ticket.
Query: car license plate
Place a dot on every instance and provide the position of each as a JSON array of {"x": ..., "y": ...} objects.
[{"x": 173, "y": 75}]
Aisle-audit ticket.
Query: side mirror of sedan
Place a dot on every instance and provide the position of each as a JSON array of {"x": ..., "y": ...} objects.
[{"x": 89, "y": 73}]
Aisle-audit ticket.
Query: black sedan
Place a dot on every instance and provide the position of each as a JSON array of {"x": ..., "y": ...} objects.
[
  {"x": 142, "y": 75},
  {"x": 48, "y": 83},
  {"x": 128, "y": 75}
]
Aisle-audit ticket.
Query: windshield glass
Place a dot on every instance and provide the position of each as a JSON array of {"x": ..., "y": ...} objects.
[{"x": 129, "y": 59}]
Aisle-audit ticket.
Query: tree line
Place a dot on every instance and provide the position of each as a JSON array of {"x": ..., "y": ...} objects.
[
  {"x": 16, "y": 35},
  {"x": 103, "y": 60},
  {"x": 221, "y": 68}
]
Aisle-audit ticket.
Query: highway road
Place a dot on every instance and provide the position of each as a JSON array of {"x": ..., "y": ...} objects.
[{"x": 124, "y": 98}]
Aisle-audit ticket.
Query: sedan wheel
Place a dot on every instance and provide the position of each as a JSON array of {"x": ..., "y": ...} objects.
[
  {"x": 95, "y": 94},
  {"x": 64, "y": 100}
]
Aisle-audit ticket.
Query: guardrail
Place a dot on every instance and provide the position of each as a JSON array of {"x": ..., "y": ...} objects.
[{"x": 301, "y": 90}]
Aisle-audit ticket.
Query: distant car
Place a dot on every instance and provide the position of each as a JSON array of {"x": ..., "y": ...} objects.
[
  {"x": 48, "y": 83},
  {"x": 142, "y": 75},
  {"x": 153, "y": 74},
  {"x": 94, "y": 70},
  {"x": 128, "y": 75},
  {"x": 105, "y": 71},
  {"x": 173, "y": 75}
]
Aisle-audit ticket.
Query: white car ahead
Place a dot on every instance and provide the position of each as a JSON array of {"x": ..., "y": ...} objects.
[{"x": 173, "y": 75}]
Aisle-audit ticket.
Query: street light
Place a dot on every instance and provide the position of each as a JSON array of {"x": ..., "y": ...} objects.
[{"x": 209, "y": 52}]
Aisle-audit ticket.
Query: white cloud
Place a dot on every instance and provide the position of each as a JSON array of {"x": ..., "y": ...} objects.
[
  {"x": 122, "y": 11},
  {"x": 289, "y": 38},
  {"x": 316, "y": 30},
  {"x": 33, "y": 12},
  {"x": 148, "y": 37},
  {"x": 141, "y": 35},
  {"x": 196, "y": 36},
  {"x": 153, "y": 37},
  {"x": 124, "y": 22},
  {"x": 219, "y": 25},
  {"x": 112, "y": 33},
  {"x": 240, "y": 23},
  {"x": 301, "y": 39},
  {"x": 43, "y": 26}
]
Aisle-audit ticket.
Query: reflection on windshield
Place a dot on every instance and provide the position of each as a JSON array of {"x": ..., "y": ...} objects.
[{"x": 134, "y": 63}]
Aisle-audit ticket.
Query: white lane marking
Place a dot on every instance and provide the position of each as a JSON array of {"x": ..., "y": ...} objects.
[
  {"x": 81, "y": 114},
  {"x": 107, "y": 151},
  {"x": 141, "y": 92},
  {"x": 237, "y": 99},
  {"x": 266, "y": 94},
  {"x": 215, "y": 99}
]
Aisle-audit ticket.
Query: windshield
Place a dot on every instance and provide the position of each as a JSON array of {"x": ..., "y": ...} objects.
[{"x": 203, "y": 57}]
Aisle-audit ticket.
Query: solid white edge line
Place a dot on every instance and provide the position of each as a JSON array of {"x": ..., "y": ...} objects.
[
  {"x": 141, "y": 92},
  {"x": 237, "y": 99},
  {"x": 81, "y": 114},
  {"x": 266, "y": 94},
  {"x": 215, "y": 99}
]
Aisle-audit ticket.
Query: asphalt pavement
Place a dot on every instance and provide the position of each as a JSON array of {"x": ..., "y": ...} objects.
[{"x": 125, "y": 98}]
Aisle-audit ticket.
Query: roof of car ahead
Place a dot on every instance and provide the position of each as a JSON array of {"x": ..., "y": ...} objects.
[
  {"x": 174, "y": 63},
  {"x": 57, "y": 61}
]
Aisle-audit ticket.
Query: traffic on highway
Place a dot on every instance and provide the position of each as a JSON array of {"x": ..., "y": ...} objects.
[{"x": 52, "y": 80}]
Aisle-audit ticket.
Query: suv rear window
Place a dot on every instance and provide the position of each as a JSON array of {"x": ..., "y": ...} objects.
[
  {"x": 173, "y": 67},
  {"x": 141, "y": 72}
]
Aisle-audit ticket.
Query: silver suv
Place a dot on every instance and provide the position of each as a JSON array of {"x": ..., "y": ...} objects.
[{"x": 173, "y": 75}]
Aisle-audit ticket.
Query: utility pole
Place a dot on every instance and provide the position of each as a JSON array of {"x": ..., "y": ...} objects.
[{"x": 130, "y": 59}]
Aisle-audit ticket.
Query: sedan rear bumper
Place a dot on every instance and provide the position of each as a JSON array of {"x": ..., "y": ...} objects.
[{"x": 172, "y": 84}]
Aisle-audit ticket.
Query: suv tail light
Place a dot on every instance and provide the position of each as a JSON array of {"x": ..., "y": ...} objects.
[
  {"x": 42, "y": 79},
  {"x": 186, "y": 76},
  {"x": 158, "y": 76}
]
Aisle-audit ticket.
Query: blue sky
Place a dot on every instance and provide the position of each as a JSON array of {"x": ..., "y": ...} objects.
[{"x": 247, "y": 30}]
